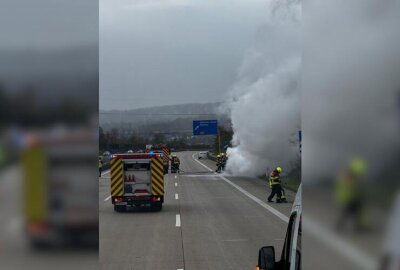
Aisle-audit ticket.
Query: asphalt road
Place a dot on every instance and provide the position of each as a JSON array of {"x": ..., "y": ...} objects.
[
  {"x": 220, "y": 227},
  {"x": 207, "y": 222}
]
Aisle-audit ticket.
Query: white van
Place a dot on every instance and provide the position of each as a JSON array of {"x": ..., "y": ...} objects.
[
  {"x": 291, "y": 253},
  {"x": 203, "y": 155}
]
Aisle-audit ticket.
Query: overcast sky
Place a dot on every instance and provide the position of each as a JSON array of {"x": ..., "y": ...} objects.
[
  {"x": 46, "y": 25},
  {"x": 50, "y": 46},
  {"x": 164, "y": 52}
]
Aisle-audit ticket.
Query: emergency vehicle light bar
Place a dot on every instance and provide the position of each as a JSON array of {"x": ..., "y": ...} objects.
[{"x": 136, "y": 156}]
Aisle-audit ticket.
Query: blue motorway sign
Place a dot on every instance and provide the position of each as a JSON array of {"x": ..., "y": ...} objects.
[{"x": 205, "y": 127}]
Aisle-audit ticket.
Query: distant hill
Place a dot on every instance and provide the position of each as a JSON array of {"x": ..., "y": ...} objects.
[
  {"x": 162, "y": 118},
  {"x": 160, "y": 113},
  {"x": 53, "y": 75}
]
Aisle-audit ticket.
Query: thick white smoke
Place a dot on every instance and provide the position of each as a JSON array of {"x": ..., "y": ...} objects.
[
  {"x": 264, "y": 104},
  {"x": 351, "y": 87}
]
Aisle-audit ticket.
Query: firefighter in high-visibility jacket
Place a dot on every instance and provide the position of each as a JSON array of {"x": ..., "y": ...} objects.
[
  {"x": 276, "y": 186},
  {"x": 348, "y": 195},
  {"x": 219, "y": 163},
  {"x": 175, "y": 162}
]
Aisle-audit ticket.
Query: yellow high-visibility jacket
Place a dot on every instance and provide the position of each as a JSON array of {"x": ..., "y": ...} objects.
[{"x": 274, "y": 179}]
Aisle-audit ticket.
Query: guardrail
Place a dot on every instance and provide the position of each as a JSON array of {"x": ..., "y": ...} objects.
[{"x": 211, "y": 156}]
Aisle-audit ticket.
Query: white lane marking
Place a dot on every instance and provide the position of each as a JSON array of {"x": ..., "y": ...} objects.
[
  {"x": 178, "y": 221},
  {"x": 343, "y": 247},
  {"x": 180, "y": 269},
  {"x": 201, "y": 163},
  {"x": 335, "y": 242},
  {"x": 109, "y": 197},
  {"x": 235, "y": 240},
  {"x": 176, "y": 177},
  {"x": 176, "y": 184},
  {"x": 107, "y": 172},
  {"x": 176, "y": 196},
  {"x": 257, "y": 200},
  {"x": 254, "y": 198},
  {"x": 199, "y": 175}
]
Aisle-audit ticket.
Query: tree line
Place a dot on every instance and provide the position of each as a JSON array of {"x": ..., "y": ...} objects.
[{"x": 114, "y": 141}]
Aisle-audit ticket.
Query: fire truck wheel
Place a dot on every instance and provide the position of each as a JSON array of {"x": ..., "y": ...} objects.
[
  {"x": 120, "y": 208},
  {"x": 156, "y": 207}
]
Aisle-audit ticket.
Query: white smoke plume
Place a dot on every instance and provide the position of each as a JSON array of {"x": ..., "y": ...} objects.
[
  {"x": 351, "y": 87},
  {"x": 264, "y": 104}
]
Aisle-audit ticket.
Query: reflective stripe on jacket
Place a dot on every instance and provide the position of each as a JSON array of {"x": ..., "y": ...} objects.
[{"x": 274, "y": 178}]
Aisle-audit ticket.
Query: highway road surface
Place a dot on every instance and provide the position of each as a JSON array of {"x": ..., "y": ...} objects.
[
  {"x": 208, "y": 221},
  {"x": 215, "y": 221}
]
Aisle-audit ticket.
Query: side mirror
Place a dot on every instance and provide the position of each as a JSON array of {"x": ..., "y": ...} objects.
[{"x": 266, "y": 258}]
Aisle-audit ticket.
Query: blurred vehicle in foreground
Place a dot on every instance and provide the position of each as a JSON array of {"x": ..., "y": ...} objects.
[
  {"x": 60, "y": 196},
  {"x": 291, "y": 252},
  {"x": 391, "y": 248}
]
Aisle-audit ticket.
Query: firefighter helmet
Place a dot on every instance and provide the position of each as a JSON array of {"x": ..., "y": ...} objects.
[{"x": 358, "y": 166}]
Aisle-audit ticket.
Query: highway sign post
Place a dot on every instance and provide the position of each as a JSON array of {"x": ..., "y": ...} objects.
[{"x": 300, "y": 137}]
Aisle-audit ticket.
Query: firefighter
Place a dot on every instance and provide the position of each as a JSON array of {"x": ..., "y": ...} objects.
[
  {"x": 219, "y": 163},
  {"x": 349, "y": 197},
  {"x": 275, "y": 185},
  {"x": 223, "y": 161},
  {"x": 100, "y": 166},
  {"x": 166, "y": 165},
  {"x": 175, "y": 162}
]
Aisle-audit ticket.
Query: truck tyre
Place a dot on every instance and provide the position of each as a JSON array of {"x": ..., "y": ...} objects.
[
  {"x": 120, "y": 208},
  {"x": 39, "y": 244},
  {"x": 156, "y": 207}
]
